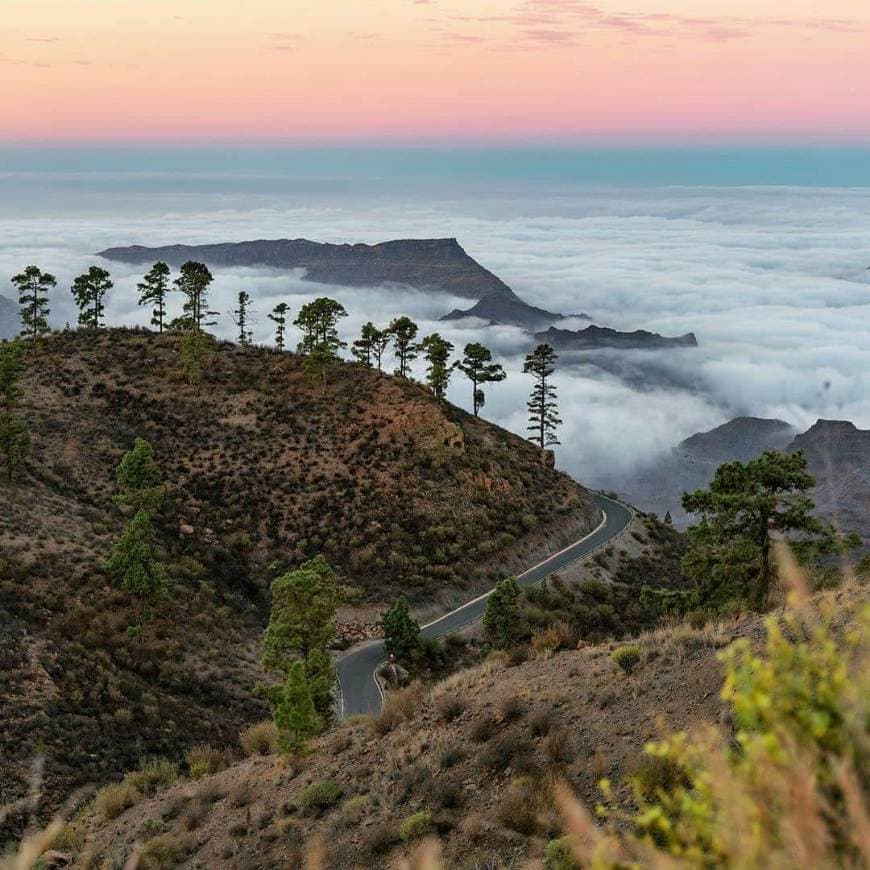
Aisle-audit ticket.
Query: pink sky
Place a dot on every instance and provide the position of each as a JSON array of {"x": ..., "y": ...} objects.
[{"x": 504, "y": 70}]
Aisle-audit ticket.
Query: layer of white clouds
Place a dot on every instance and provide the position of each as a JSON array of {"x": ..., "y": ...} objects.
[{"x": 773, "y": 281}]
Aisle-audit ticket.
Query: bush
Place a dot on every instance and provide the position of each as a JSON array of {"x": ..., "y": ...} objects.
[
  {"x": 541, "y": 722},
  {"x": 417, "y": 825},
  {"x": 483, "y": 730},
  {"x": 519, "y": 809},
  {"x": 260, "y": 739},
  {"x": 153, "y": 776},
  {"x": 512, "y": 709},
  {"x": 113, "y": 799},
  {"x": 162, "y": 853},
  {"x": 627, "y": 657},
  {"x": 319, "y": 796},
  {"x": 556, "y": 746},
  {"x": 503, "y": 753},
  {"x": 449, "y": 707},
  {"x": 657, "y": 774},
  {"x": 399, "y": 707},
  {"x": 559, "y": 856},
  {"x": 203, "y": 760}
]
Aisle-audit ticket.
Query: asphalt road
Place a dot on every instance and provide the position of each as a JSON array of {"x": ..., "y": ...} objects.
[{"x": 359, "y": 691}]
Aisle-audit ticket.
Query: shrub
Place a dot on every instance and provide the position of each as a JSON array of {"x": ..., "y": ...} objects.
[
  {"x": 260, "y": 739},
  {"x": 657, "y": 774},
  {"x": 379, "y": 839},
  {"x": 627, "y": 657},
  {"x": 512, "y": 709},
  {"x": 450, "y": 756},
  {"x": 162, "y": 853},
  {"x": 113, "y": 799},
  {"x": 319, "y": 796},
  {"x": 152, "y": 776},
  {"x": 519, "y": 808},
  {"x": 449, "y": 707},
  {"x": 203, "y": 760},
  {"x": 541, "y": 722},
  {"x": 399, "y": 707},
  {"x": 483, "y": 730},
  {"x": 416, "y": 826},
  {"x": 352, "y": 810},
  {"x": 558, "y": 855},
  {"x": 504, "y": 752},
  {"x": 556, "y": 746}
]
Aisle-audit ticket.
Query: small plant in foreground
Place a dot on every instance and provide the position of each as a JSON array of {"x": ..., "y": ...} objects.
[{"x": 416, "y": 826}]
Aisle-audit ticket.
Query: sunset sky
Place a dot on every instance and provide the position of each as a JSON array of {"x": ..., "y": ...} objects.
[{"x": 172, "y": 71}]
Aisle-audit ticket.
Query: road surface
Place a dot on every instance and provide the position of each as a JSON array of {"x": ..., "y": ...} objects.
[{"x": 359, "y": 691}]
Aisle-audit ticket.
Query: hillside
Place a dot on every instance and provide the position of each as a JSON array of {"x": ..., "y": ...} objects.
[
  {"x": 265, "y": 468},
  {"x": 9, "y": 322},
  {"x": 477, "y": 753}
]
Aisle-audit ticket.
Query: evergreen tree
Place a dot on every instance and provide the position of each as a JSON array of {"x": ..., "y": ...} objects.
[
  {"x": 320, "y": 343},
  {"x": 139, "y": 479},
  {"x": 295, "y": 716},
  {"x": 437, "y": 351},
  {"x": 153, "y": 290},
  {"x": 478, "y": 367},
  {"x": 401, "y": 630},
  {"x": 321, "y": 680},
  {"x": 14, "y": 436},
  {"x": 403, "y": 331},
  {"x": 730, "y": 553},
  {"x": 502, "y": 623},
  {"x": 370, "y": 346},
  {"x": 669, "y": 520},
  {"x": 133, "y": 562},
  {"x": 279, "y": 317},
  {"x": 89, "y": 291},
  {"x": 193, "y": 282},
  {"x": 33, "y": 285},
  {"x": 543, "y": 419},
  {"x": 241, "y": 318},
  {"x": 302, "y": 618}
]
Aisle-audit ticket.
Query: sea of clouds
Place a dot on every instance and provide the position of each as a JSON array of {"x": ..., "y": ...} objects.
[{"x": 773, "y": 281}]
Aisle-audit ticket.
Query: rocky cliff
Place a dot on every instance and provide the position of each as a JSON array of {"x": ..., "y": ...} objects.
[{"x": 594, "y": 337}]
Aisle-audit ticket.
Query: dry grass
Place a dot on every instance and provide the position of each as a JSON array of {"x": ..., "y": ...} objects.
[{"x": 260, "y": 739}]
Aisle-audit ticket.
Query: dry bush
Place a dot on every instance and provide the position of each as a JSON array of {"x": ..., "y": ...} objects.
[
  {"x": 111, "y": 800},
  {"x": 449, "y": 707},
  {"x": 512, "y": 710},
  {"x": 541, "y": 721},
  {"x": 163, "y": 853},
  {"x": 204, "y": 760},
  {"x": 399, "y": 707},
  {"x": 483, "y": 729},
  {"x": 260, "y": 739},
  {"x": 152, "y": 776}
]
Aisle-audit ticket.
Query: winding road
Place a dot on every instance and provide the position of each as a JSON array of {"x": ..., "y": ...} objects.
[{"x": 359, "y": 691}]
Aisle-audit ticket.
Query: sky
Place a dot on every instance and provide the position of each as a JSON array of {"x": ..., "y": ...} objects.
[{"x": 489, "y": 71}]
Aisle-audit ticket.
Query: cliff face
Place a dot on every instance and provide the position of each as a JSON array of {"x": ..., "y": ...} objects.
[
  {"x": 601, "y": 336},
  {"x": 507, "y": 308},
  {"x": 426, "y": 264}
]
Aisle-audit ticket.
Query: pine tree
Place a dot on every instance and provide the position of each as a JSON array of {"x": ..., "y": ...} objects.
[
  {"x": 153, "y": 290},
  {"x": 302, "y": 617},
  {"x": 321, "y": 680},
  {"x": 543, "y": 419},
  {"x": 33, "y": 285},
  {"x": 194, "y": 282},
  {"x": 478, "y": 367},
  {"x": 133, "y": 562},
  {"x": 730, "y": 549},
  {"x": 242, "y": 319},
  {"x": 89, "y": 291},
  {"x": 437, "y": 351},
  {"x": 295, "y": 716},
  {"x": 669, "y": 520},
  {"x": 401, "y": 630},
  {"x": 320, "y": 343},
  {"x": 403, "y": 331},
  {"x": 502, "y": 623},
  {"x": 279, "y": 317},
  {"x": 14, "y": 436},
  {"x": 139, "y": 479},
  {"x": 370, "y": 346}
]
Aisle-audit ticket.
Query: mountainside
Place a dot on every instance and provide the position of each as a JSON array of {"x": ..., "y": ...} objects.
[
  {"x": 264, "y": 468},
  {"x": 9, "y": 323},
  {"x": 602, "y": 336},
  {"x": 509, "y": 309},
  {"x": 426, "y": 264},
  {"x": 472, "y": 761},
  {"x": 838, "y": 456}
]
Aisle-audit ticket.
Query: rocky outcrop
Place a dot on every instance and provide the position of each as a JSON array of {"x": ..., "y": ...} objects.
[
  {"x": 594, "y": 337},
  {"x": 509, "y": 309},
  {"x": 425, "y": 264}
]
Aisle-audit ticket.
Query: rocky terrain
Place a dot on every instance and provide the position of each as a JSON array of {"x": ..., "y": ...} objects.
[
  {"x": 9, "y": 323},
  {"x": 509, "y": 309},
  {"x": 838, "y": 456},
  {"x": 594, "y": 337},
  {"x": 265, "y": 467}
]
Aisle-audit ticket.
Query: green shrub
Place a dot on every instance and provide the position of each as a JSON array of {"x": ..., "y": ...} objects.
[
  {"x": 627, "y": 657},
  {"x": 113, "y": 799},
  {"x": 320, "y": 795},
  {"x": 559, "y": 856},
  {"x": 204, "y": 760},
  {"x": 162, "y": 853},
  {"x": 153, "y": 776},
  {"x": 417, "y": 825}
]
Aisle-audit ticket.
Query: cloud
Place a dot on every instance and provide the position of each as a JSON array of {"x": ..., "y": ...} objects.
[{"x": 773, "y": 281}]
